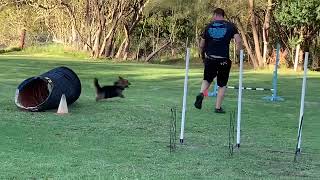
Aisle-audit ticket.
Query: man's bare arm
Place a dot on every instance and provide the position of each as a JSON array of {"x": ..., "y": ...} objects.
[
  {"x": 201, "y": 47},
  {"x": 238, "y": 40}
]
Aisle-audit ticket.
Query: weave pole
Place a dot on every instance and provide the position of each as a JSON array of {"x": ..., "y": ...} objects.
[
  {"x": 274, "y": 96},
  {"x": 274, "y": 82},
  {"x": 250, "y": 88},
  {"x": 231, "y": 132},
  {"x": 185, "y": 92},
  {"x": 239, "y": 99},
  {"x": 297, "y": 152},
  {"x": 214, "y": 92},
  {"x": 303, "y": 93},
  {"x": 172, "y": 129}
]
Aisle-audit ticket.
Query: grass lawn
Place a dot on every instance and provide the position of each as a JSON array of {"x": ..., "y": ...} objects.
[{"x": 128, "y": 138}]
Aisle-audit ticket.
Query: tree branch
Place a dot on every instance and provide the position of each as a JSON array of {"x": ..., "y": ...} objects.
[
  {"x": 156, "y": 51},
  {"x": 72, "y": 16}
]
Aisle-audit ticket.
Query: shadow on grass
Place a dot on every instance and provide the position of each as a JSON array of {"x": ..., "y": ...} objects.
[
  {"x": 108, "y": 135},
  {"x": 10, "y": 50},
  {"x": 20, "y": 68}
]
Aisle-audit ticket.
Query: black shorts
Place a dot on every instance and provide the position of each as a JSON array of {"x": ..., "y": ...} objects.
[{"x": 219, "y": 68}]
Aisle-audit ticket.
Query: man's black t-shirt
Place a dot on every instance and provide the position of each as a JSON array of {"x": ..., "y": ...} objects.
[{"x": 218, "y": 35}]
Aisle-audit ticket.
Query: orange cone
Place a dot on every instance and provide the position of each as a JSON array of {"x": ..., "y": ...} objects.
[{"x": 63, "y": 107}]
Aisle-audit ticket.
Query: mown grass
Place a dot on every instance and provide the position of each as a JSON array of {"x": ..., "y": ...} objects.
[{"x": 128, "y": 138}]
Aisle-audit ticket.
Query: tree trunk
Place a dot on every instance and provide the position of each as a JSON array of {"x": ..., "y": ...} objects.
[
  {"x": 158, "y": 37},
  {"x": 296, "y": 59},
  {"x": 109, "y": 46},
  {"x": 113, "y": 49},
  {"x": 119, "y": 52},
  {"x": 123, "y": 49},
  {"x": 3, "y": 6},
  {"x": 246, "y": 44},
  {"x": 156, "y": 51},
  {"x": 153, "y": 39},
  {"x": 88, "y": 42},
  {"x": 255, "y": 33},
  {"x": 126, "y": 49},
  {"x": 301, "y": 59},
  {"x": 101, "y": 27},
  {"x": 266, "y": 26},
  {"x": 173, "y": 34},
  {"x": 72, "y": 16},
  {"x": 22, "y": 38},
  {"x": 234, "y": 52},
  {"x": 74, "y": 37},
  {"x": 139, "y": 43},
  {"x": 197, "y": 40},
  {"x": 103, "y": 46},
  {"x": 96, "y": 45},
  {"x": 315, "y": 59},
  {"x": 129, "y": 26},
  {"x": 106, "y": 42}
]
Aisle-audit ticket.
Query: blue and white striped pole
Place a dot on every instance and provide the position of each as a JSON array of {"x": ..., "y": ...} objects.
[{"x": 243, "y": 88}]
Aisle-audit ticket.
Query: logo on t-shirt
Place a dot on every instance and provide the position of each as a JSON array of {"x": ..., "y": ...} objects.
[{"x": 217, "y": 31}]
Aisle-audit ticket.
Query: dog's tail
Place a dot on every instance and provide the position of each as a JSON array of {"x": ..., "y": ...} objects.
[{"x": 96, "y": 84}]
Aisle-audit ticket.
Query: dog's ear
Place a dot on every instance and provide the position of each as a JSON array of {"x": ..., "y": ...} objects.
[{"x": 120, "y": 78}]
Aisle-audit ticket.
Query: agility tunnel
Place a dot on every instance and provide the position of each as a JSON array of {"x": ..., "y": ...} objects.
[{"x": 44, "y": 92}]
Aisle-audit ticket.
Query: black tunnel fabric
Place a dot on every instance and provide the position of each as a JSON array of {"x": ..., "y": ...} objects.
[{"x": 44, "y": 92}]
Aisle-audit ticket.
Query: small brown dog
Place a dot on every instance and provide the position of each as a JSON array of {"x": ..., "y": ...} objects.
[{"x": 110, "y": 91}]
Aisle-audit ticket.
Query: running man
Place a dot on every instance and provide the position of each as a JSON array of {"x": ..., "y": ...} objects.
[{"x": 214, "y": 48}]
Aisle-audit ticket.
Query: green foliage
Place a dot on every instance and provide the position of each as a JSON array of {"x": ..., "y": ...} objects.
[
  {"x": 167, "y": 21},
  {"x": 298, "y": 13},
  {"x": 294, "y": 41},
  {"x": 15, "y": 18},
  {"x": 176, "y": 21}
]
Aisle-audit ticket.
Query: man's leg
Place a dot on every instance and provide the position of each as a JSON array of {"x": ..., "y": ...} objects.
[
  {"x": 209, "y": 74},
  {"x": 222, "y": 80},
  {"x": 204, "y": 86},
  {"x": 220, "y": 96}
]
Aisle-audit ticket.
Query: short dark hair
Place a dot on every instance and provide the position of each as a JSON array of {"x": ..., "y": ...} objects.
[{"x": 219, "y": 11}]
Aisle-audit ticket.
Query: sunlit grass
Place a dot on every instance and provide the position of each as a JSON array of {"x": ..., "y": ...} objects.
[{"x": 128, "y": 138}]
